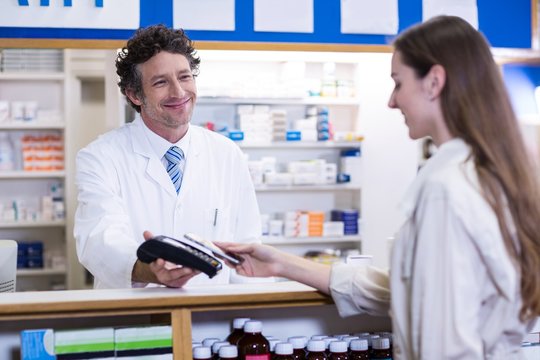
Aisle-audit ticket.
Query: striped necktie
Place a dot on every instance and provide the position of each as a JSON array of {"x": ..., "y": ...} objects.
[{"x": 175, "y": 157}]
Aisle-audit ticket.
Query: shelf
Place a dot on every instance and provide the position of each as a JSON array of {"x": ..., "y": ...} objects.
[
  {"x": 40, "y": 272},
  {"x": 32, "y": 224},
  {"x": 280, "y": 240},
  {"x": 279, "y": 101},
  {"x": 333, "y": 187},
  {"x": 32, "y": 174},
  {"x": 32, "y": 125},
  {"x": 32, "y": 76},
  {"x": 302, "y": 145}
]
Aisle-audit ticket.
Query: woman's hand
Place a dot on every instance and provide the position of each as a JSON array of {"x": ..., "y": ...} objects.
[
  {"x": 258, "y": 260},
  {"x": 263, "y": 260}
]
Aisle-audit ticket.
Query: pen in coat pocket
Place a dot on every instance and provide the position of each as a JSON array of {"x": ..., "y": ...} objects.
[{"x": 215, "y": 216}]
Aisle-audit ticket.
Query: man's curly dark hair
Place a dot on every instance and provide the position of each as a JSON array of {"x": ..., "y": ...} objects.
[{"x": 143, "y": 45}]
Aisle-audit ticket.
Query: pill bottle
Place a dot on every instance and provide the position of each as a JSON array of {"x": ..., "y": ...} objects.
[
  {"x": 316, "y": 350},
  {"x": 202, "y": 353},
  {"x": 283, "y": 351},
  {"x": 299, "y": 347},
  {"x": 272, "y": 341},
  {"x": 238, "y": 330},
  {"x": 215, "y": 348},
  {"x": 327, "y": 340},
  {"x": 381, "y": 349},
  {"x": 253, "y": 345},
  {"x": 338, "y": 350},
  {"x": 359, "y": 350},
  {"x": 228, "y": 352}
]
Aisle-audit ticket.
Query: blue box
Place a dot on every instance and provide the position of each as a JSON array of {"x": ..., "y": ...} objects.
[
  {"x": 37, "y": 344},
  {"x": 236, "y": 135},
  {"x": 293, "y": 135}
]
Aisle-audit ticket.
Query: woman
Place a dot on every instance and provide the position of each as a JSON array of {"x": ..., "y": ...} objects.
[{"x": 465, "y": 275}]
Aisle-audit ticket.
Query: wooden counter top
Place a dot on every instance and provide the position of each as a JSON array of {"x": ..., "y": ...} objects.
[{"x": 45, "y": 304}]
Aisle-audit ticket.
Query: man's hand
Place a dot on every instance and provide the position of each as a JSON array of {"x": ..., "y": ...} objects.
[{"x": 161, "y": 271}]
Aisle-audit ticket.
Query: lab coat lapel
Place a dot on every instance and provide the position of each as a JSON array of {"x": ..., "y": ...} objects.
[{"x": 154, "y": 168}]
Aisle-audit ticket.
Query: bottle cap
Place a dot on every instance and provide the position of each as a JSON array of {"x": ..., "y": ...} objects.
[
  {"x": 327, "y": 340},
  {"x": 196, "y": 343},
  {"x": 371, "y": 338},
  {"x": 201, "y": 352},
  {"x": 316, "y": 345},
  {"x": 298, "y": 342},
  {"x": 273, "y": 343},
  {"x": 217, "y": 345},
  {"x": 238, "y": 323},
  {"x": 209, "y": 341},
  {"x": 348, "y": 339},
  {"x": 381, "y": 344},
  {"x": 318, "y": 337},
  {"x": 339, "y": 336},
  {"x": 338, "y": 346},
  {"x": 283, "y": 348},
  {"x": 253, "y": 326},
  {"x": 228, "y": 351},
  {"x": 359, "y": 345}
]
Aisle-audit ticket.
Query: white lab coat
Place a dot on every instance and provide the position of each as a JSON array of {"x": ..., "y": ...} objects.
[
  {"x": 455, "y": 293},
  {"x": 124, "y": 189}
]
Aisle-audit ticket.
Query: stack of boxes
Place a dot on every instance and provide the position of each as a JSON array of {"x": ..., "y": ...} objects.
[
  {"x": 30, "y": 255},
  {"x": 350, "y": 219},
  {"x": 43, "y": 152},
  {"x": 301, "y": 223},
  {"x": 147, "y": 342}
]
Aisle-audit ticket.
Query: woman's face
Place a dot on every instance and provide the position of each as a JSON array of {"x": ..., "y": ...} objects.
[{"x": 412, "y": 96}]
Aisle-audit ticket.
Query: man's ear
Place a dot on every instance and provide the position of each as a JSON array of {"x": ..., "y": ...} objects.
[
  {"x": 435, "y": 81},
  {"x": 130, "y": 93}
]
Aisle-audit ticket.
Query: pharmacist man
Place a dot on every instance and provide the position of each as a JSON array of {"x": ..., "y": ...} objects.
[{"x": 125, "y": 189}]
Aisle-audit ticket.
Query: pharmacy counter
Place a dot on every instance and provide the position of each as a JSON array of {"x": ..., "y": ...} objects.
[{"x": 286, "y": 308}]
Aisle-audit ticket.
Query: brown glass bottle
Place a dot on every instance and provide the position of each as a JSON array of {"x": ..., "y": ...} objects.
[
  {"x": 215, "y": 348},
  {"x": 316, "y": 350},
  {"x": 338, "y": 350},
  {"x": 238, "y": 330},
  {"x": 299, "y": 347},
  {"x": 253, "y": 345},
  {"x": 359, "y": 350},
  {"x": 283, "y": 351},
  {"x": 381, "y": 349}
]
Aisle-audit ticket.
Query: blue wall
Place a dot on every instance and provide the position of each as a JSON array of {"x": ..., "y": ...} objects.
[{"x": 505, "y": 24}]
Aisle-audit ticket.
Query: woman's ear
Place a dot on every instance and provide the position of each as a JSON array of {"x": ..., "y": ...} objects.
[
  {"x": 435, "y": 81},
  {"x": 130, "y": 93}
]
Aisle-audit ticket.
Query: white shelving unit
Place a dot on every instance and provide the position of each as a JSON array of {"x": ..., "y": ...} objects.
[
  {"x": 48, "y": 90},
  {"x": 226, "y": 76}
]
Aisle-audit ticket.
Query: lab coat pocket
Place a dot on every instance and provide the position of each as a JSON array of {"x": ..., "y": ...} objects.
[{"x": 218, "y": 227}]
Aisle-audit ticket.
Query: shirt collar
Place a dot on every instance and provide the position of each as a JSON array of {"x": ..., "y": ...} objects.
[
  {"x": 160, "y": 146},
  {"x": 451, "y": 152}
]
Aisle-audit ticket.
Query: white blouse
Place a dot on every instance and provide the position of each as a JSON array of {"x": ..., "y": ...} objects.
[{"x": 455, "y": 291}]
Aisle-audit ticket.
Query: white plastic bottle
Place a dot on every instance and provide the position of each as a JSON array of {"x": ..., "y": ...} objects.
[{"x": 7, "y": 159}]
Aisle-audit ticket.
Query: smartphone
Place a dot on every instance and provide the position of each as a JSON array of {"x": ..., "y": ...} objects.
[{"x": 217, "y": 252}]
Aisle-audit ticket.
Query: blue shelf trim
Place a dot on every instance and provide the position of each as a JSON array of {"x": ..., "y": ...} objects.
[{"x": 504, "y": 24}]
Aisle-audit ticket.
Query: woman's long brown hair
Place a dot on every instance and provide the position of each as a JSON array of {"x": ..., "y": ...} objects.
[{"x": 477, "y": 109}]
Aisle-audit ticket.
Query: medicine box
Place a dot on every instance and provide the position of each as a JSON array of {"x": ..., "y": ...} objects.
[{"x": 37, "y": 344}]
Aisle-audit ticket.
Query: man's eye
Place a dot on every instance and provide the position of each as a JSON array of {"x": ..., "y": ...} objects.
[
  {"x": 159, "y": 82},
  {"x": 186, "y": 77}
]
